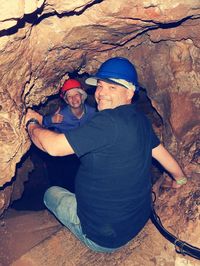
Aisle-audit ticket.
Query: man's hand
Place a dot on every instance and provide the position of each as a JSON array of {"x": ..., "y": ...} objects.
[
  {"x": 46, "y": 140},
  {"x": 57, "y": 117},
  {"x": 171, "y": 165},
  {"x": 179, "y": 182},
  {"x": 33, "y": 114}
]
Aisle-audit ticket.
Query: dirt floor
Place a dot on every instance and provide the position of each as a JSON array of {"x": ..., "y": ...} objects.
[
  {"x": 22, "y": 230},
  {"x": 27, "y": 222}
]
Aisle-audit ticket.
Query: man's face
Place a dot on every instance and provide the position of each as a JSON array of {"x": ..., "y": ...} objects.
[
  {"x": 73, "y": 98},
  {"x": 109, "y": 96}
]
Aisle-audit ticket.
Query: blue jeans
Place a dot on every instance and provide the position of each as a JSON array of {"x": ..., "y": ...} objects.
[{"x": 63, "y": 204}]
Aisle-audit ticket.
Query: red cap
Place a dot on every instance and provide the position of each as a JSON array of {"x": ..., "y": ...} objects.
[{"x": 70, "y": 84}]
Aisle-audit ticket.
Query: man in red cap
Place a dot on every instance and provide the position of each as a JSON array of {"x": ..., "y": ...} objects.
[{"x": 76, "y": 113}]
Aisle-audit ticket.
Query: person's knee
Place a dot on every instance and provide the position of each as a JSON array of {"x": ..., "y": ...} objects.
[{"x": 48, "y": 195}]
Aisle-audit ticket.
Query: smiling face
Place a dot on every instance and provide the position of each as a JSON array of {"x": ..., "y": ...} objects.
[
  {"x": 73, "y": 98},
  {"x": 109, "y": 96}
]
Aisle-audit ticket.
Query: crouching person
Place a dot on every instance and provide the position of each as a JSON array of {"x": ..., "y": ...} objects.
[{"x": 112, "y": 200}]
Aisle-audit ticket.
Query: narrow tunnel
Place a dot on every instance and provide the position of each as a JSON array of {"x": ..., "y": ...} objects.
[
  {"x": 50, "y": 171},
  {"x": 61, "y": 171},
  {"x": 44, "y": 42}
]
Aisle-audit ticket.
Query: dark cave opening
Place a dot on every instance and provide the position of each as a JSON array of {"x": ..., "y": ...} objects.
[{"x": 48, "y": 171}]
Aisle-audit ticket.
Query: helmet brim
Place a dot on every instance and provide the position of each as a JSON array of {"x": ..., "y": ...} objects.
[{"x": 93, "y": 82}]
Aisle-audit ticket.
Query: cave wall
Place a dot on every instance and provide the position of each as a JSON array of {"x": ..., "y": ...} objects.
[{"x": 42, "y": 41}]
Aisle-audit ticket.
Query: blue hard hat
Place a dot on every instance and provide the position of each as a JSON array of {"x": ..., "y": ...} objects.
[{"x": 116, "y": 68}]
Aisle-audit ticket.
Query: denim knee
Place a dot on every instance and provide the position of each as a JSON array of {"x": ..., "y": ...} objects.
[{"x": 50, "y": 196}]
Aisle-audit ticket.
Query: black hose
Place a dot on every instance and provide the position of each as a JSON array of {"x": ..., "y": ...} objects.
[{"x": 181, "y": 247}]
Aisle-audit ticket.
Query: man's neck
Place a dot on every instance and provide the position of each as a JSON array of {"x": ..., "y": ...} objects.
[{"x": 78, "y": 112}]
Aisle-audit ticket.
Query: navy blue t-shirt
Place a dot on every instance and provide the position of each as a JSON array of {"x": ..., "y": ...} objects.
[{"x": 113, "y": 184}]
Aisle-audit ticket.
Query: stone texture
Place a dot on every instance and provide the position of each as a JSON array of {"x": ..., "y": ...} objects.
[
  {"x": 41, "y": 42},
  {"x": 22, "y": 230},
  {"x": 14, "y": 191},
  {"x": 12, "y": 11}
]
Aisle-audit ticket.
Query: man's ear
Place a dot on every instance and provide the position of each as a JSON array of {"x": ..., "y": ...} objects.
[{"x": 130, "y": 94}]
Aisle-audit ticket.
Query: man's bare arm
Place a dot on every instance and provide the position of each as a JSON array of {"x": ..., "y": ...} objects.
[
  {"x": 170, "y": 164},
  {"x": 49, "y": 141}
]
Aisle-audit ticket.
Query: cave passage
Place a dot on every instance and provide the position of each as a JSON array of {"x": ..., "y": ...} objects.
[
  {"x": 61, "y": 171},
  {"x": 48, "y": 171}
]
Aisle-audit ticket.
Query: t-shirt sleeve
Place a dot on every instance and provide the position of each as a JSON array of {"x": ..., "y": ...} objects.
[
  {"x": 98, "y": 132},
  {"x": 46, "y": 121},
  {"x": 155, "y": 140}
]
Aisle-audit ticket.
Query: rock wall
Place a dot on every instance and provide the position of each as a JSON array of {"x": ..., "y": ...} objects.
[{"x": 42, "y": 41}]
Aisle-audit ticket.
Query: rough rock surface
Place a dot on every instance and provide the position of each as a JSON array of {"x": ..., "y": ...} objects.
[{"x": 42, "y": 41}]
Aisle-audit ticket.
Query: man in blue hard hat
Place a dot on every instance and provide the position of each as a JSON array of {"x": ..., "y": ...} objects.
[{"x": 112, "y": 200}]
